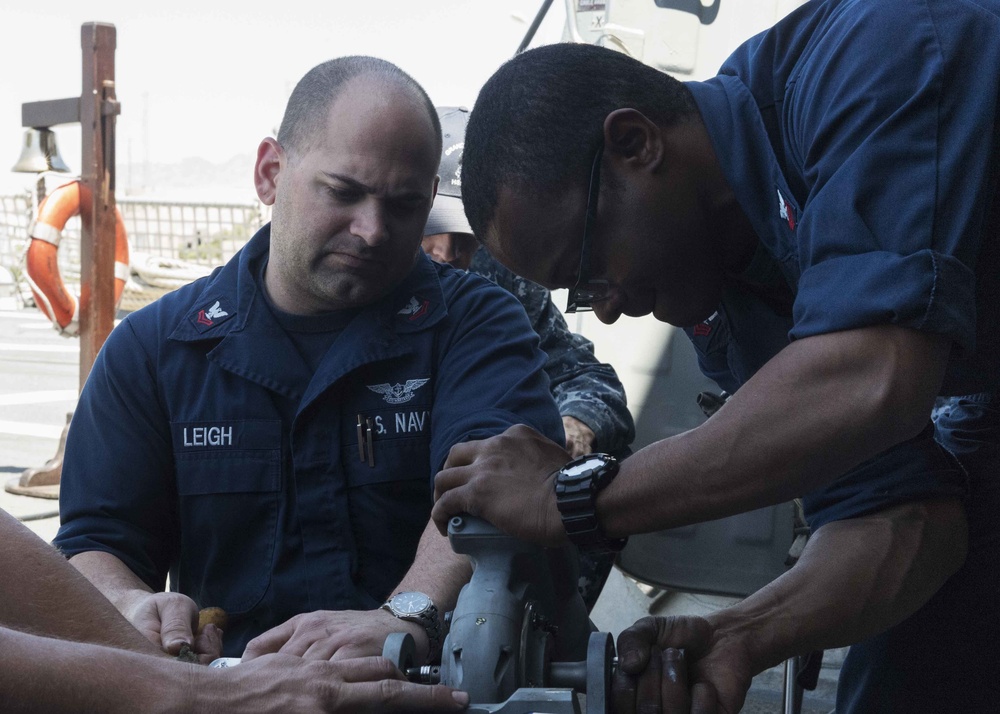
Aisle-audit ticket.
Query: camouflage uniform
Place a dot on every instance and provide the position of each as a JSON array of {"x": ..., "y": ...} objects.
[{"x": 581, "y": 386}]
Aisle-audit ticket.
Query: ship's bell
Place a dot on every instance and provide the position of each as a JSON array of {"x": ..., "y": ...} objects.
[{"x": 40, "y": 153}]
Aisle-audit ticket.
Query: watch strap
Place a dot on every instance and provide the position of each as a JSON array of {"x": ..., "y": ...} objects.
[
  {"x": 428, "y": 619},
  {"x": 576, "y": 498}
]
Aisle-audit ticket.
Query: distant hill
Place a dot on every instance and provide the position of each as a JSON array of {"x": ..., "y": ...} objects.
[{"x": 192, "y": 179}]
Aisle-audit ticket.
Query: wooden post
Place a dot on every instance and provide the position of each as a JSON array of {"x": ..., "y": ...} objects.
[{"x": 98, "y": 111}]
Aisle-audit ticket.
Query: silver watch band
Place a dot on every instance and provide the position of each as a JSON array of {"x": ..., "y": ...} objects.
[{"x": 428, "y": 619}]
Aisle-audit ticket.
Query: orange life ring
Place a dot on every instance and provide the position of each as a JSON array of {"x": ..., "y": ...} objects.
[{"x": 51, "y": 295}]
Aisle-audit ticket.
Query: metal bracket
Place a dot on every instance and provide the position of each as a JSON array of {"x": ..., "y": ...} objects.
[
  {"x": 50, "y": 112},
  {"x": 705, "y": 14},
  {"x": 110, "y": 109}
]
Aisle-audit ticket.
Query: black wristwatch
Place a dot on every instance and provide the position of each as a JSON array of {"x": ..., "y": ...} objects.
[
  {"x": 419, "y": 608},
  {"x": 577, "y": 486}
]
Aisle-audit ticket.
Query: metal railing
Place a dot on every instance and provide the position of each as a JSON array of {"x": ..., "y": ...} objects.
[
  {"x": 201, "y": 233},
  {"x": 15, "y": 216},
  {"x": 206, "y": 234}
]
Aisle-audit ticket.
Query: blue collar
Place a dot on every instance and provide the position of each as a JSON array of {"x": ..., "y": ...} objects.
[
  {"x": 416, "y": 304},
  {"x": 743, "y": 147},
  {"x": 230, "y": 308}
]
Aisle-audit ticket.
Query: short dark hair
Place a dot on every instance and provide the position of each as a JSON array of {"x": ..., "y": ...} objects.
[
  {"x": 312, "y": 96},
  {"x": 539, "y": 120}
]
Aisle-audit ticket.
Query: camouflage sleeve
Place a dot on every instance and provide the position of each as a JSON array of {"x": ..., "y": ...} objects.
[{"x": 582, "y": 386}]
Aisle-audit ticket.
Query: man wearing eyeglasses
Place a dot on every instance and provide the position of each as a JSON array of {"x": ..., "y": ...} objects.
[
  {"x": 588, "y": 393},
  {"x": 820, "y": 219},
  {"x": 590, "y": 397}
]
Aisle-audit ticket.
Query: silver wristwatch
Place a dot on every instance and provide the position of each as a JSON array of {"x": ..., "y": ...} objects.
[{"x": 419, "y": 608}]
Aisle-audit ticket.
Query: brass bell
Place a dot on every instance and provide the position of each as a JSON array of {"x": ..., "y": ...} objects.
[{"x": 40, "y": 153}]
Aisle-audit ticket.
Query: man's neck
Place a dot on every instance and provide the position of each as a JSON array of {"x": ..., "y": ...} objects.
[
  {"x": 729, "y": 224},
  {"x": 737, "y": 238},
  {"x": 739, "y": 241},
  {"x": 279, "y": 300}
]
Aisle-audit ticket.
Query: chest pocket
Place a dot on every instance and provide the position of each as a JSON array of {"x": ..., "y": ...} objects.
[
  {"x": 386, "y": 445},
  {"x": 387, "y": 464},
  {"x": 228, "y": 484}
]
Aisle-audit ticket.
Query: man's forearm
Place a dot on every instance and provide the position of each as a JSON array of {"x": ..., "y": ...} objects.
[
  {"x": 41, "y": 674},
  {"x": 437, "y": 570},
  {"x": 41, "y": 594},
  {"x": 856, "y": 578},
  {"x": 818, "y": 408},
  {"x": 113, "y": 578}
]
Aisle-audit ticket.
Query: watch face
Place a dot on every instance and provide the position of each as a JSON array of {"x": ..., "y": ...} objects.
[
  {"x": 410, "y": 603},
  {"x": 591, "y": 463}
]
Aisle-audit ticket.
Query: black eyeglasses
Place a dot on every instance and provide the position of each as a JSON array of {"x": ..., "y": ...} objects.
[{"x": 587, "y": 290}]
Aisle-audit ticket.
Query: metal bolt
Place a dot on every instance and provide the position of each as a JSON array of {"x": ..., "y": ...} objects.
[{"x": 540, "y": 622}]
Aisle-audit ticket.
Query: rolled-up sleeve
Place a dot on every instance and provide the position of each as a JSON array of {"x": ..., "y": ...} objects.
[
  {"x": 893, "y": 151},
  {"x": 915, "y": 470},
  {"x": 491, "y": 374}
]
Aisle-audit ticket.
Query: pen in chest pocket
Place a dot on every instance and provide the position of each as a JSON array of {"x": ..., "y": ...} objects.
[{"x": 366, "y": 439}]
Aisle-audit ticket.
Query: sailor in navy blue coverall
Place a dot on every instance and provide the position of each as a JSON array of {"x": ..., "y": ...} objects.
[
  {"x": 268, "y": 435},
  {"x": 590, "y": 397},
  {"x": 822, "y": 218}
]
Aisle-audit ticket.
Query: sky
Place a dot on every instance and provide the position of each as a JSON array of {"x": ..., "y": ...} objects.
[{"x": 210, "y": 79}]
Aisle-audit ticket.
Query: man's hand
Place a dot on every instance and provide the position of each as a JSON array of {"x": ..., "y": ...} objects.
[
  {"x": 710, "y": 676},
  {"x": 335, "y": 635},
  {"x": 170, "y": 620},
  {"x": 280, "y": 683},
  {"x": 579, "y": 437},
  {"x": 507, "y": 479}
]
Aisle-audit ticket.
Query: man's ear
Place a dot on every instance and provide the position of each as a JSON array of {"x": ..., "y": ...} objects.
[
  {"x": 631, "y": 136},
  {"x": 270, "y": 157}
]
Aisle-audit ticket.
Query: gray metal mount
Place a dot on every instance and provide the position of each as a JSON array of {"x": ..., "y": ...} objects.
[{"x": 520, "y": 640}]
